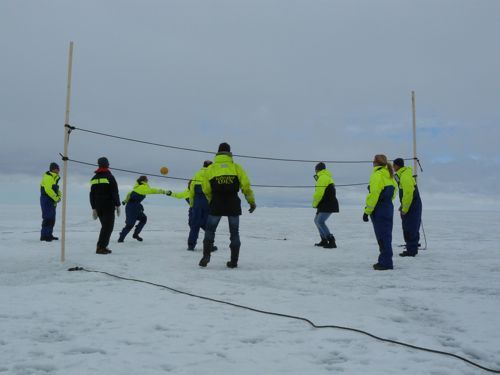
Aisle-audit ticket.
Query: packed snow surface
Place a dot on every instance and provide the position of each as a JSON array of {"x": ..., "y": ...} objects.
[{"x": 57, "y": 322}]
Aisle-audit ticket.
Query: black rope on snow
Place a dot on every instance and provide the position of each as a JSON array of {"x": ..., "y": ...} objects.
[
  {"x": 189, "y": 179},
  {"x": 237, "y": 155},
  {"x": 421, "y": 348}
]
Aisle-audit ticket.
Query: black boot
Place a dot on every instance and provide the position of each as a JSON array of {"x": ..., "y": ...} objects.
[
  {"x": 407, "y": 254},
  {"x": 380, "y": 267},
  {"x": 330, "y": 243},
  {"x": 103, "y": 251},
  {"x": 126, "y": 230},
  {"x": 321, "y": 243},
  {"x": 121, "y": 238},
  {"x": 207, "y": 249},
  {"x": 136, "y": 236},
  {"x": 235, "y": 254}
]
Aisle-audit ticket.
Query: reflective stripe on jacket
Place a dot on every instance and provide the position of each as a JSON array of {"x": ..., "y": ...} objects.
[{"x": 104, "y": 190}]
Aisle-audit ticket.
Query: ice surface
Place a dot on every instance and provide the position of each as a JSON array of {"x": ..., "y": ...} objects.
[{"x": 58, "y": 322}]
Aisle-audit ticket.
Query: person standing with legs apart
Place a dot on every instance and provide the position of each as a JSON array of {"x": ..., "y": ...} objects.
[
  {"x": 379, "y": 207},
  {"x": 325, "y": 201},
  {"x": 134, "y": 209},
  {"x": 49, "y": 196},
  {"x": 104, "y": 200},
  {"x": 411, "y": 207},
  {"x": 222, "y": 181}
]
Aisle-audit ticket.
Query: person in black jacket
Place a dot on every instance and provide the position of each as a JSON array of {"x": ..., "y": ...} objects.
[
  {"x": 325, "y": 201},
  {"x": 221, "y": 183},
  {"x": 104, "y": 200}
]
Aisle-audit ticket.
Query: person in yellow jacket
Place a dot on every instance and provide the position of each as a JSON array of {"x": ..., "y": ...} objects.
[
  {"x": 379, "y": 208},
  {"x": 185, "y": 194},
  {"x": 134, "y": 209},
  {"x": 411, "y": 207},
  {"x": 221, "y": 184},
  {"x": 50, "y": 195},
  {"x": 198, "y": 207},
  {"x": 325, "y": 201}
]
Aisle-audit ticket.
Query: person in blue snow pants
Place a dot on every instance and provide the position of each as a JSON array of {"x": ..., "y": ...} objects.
[
  {"x": 134, "y": 209},
  {"x": 50, "y": 195},
  {"x": 198, "y": 215},
  {"x": 411, "y": 207},
  {"x": 380, "y": 209}
]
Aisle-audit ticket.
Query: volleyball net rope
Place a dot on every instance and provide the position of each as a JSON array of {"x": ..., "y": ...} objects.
[{"x": 71, "y": 128}]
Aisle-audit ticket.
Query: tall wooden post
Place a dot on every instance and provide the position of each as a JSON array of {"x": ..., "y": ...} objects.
[
  {"x": 67, "y": 130},
  {"x": 415, "y": 164}
]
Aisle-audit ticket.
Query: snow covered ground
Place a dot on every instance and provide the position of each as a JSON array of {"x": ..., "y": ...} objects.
[{"x": 58, "y": 322}]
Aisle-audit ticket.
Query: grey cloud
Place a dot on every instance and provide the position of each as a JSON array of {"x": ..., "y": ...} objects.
[{"x": 321, "y": 80}]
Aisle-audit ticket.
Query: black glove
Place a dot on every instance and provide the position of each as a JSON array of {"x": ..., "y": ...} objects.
[
  {"x": 365, "y": 218},
  {"x": 169, "y": 192},
  {"x": 253, "y": 206},
  {"x": 124, "y": 203}
]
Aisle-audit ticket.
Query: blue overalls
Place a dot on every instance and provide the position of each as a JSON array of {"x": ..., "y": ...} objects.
[{"x": 382, "y": 219}]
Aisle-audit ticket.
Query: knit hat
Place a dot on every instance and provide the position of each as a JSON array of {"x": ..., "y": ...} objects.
[
  {"x": 53, "y": 166},
  {"x": 320, "y": 166},
  {"x": 224, "y": 147},
  {"x": 399, "y": 162},
  {"x": 103, "y": 162}
]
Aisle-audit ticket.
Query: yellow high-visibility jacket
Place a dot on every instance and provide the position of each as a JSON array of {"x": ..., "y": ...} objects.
[{"x": 379, "y": 181}]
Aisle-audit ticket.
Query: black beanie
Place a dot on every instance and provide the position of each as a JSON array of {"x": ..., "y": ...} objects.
[
  {"x": 320, "y": 166},
  {"x": 103, "y": 162},
  {"x": 224, "y": 147},
  {"x": 53, "y": 166},
  {"x": 142, "y": 179},
  {"x": 399, "y": 162}
]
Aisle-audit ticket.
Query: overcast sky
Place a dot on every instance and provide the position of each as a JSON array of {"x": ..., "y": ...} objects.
[{"x": 321, "y": 80}]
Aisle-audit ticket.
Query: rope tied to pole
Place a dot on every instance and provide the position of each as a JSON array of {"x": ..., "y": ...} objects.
[
  {"x": 189, "y": 179},
  {"x": 214, "y": 153},
  {"x": 420, "y": 165}
]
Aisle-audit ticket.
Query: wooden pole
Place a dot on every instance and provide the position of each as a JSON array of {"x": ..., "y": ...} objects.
[
  {"x": 67, "y": 130},
  {"x": 415, "y": 170}
]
